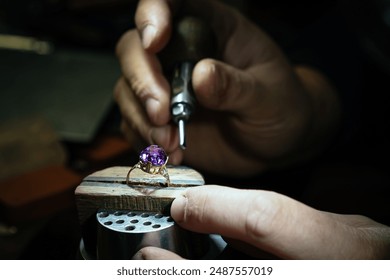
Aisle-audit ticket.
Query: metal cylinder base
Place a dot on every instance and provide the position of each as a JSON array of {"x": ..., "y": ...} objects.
[{"x": 121, "y": 234}]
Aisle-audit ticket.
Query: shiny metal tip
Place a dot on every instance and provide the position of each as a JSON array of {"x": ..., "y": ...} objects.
[{"x": 182, "y": 136}]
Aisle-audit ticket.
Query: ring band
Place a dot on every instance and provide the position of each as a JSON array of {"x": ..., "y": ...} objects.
[{"x": 152, "y": 160}]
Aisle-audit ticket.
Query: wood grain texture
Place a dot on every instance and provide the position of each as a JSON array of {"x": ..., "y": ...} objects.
[{"x": 107, "y": 189}]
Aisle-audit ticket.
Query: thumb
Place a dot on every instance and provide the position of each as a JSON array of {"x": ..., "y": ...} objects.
[
  {"x": 223, "y": 210},
  {"x": 269, "y": 221},
  {"x": 219, "y": 86}
]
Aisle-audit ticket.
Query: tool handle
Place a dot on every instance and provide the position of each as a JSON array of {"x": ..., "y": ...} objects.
[{"x": 192, "y": 40}]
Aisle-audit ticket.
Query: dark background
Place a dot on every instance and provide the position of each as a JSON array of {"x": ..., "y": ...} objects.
[{"x": 348, "y": 40}]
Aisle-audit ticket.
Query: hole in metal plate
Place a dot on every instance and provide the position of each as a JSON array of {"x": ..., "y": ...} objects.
[{"x": 133, "y": 221}]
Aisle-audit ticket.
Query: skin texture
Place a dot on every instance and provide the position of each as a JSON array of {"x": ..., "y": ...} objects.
[
  {"x": 275, "y": 114},
  {"x": 256, "y": 112},
  {"x": 269, "y": 222}
]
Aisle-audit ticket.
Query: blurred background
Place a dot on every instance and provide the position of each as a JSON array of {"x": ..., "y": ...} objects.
[{"x": 58, "y": 121}]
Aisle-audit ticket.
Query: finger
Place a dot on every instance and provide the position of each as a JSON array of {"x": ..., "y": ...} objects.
[
  {"x": 154, "y": 253},
  {"x": 153, "y": 20},
  {"x": 219, "y": 86},
  {"x": 135, "y": 140},
  {"x": 269, "y": 221},
  {"x": 207, "y": 132},
  {"x": 137, "y": 129},
  {"x": 213, "y": 209},
  {"x": 167, "y": 137},
  {"x": 132, "y": 112},
  {"x": 144, "y": 75},
  {"x": 176, "y": 157}
]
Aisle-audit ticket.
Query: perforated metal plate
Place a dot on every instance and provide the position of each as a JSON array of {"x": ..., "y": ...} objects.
[{"x": 133, "y": 221}]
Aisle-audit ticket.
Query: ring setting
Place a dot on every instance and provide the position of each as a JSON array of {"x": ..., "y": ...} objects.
[{"x": 152, "y": 160}]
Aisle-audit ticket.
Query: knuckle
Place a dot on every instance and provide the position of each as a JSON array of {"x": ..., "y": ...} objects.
[
  {"x": 139, "y": 88},
  {"x": 259, "y": 219}
]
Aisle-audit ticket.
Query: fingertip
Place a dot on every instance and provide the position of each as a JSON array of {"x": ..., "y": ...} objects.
[
  {"x": 178, "y": 208},
  {"x": 159, "y": 136},
  {"x": 154, "y": 39},
  {"x": 203, "y": 74},
  {"x": 176, "y": 157},
  {"x": 188, "y": 208},
  {"x": 207, "y": 82},
  {"x": 153, "y": 21},
  {"x": 167, "y": 137},
  {"x": 153, "y": 108},
  {"x": 220, "y": 86}
]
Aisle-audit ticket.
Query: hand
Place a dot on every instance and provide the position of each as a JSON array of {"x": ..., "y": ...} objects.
[
  {"x": 256, "y": 110},
  {"x": 276, "y": 224}
]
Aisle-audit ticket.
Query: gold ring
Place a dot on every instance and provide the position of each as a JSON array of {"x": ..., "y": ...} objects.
[{"x": 152, "y": 160}]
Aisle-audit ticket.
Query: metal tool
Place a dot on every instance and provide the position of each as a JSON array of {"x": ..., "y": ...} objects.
[
  {"x": 192, "y": 40},
  {"x": 183, "y": 99},
  {"x": 122, "y": 233}
]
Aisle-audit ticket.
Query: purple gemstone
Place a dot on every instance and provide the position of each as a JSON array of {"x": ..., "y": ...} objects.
[{"x": 153, "y": 154}]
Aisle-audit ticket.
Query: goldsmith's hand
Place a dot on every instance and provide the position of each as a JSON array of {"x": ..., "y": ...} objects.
[
  {"x": 276, "y": 224},
  {"x": 256, "y": 110}
]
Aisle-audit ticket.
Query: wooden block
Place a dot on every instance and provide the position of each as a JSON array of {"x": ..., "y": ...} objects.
[{"x": 107, "y": 189}]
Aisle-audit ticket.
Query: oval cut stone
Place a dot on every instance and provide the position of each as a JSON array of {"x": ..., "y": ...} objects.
[{"x": 153, "y": 154}]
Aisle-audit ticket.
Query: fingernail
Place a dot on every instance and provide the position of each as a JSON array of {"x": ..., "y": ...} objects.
[
  {"x": 209, "y": 88},
  {"x": 178, "y": 208},
  {"x": 212, "y": 71},
  {"x": 219, "y": 81},
  {"x": 148, "y": 34}
]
